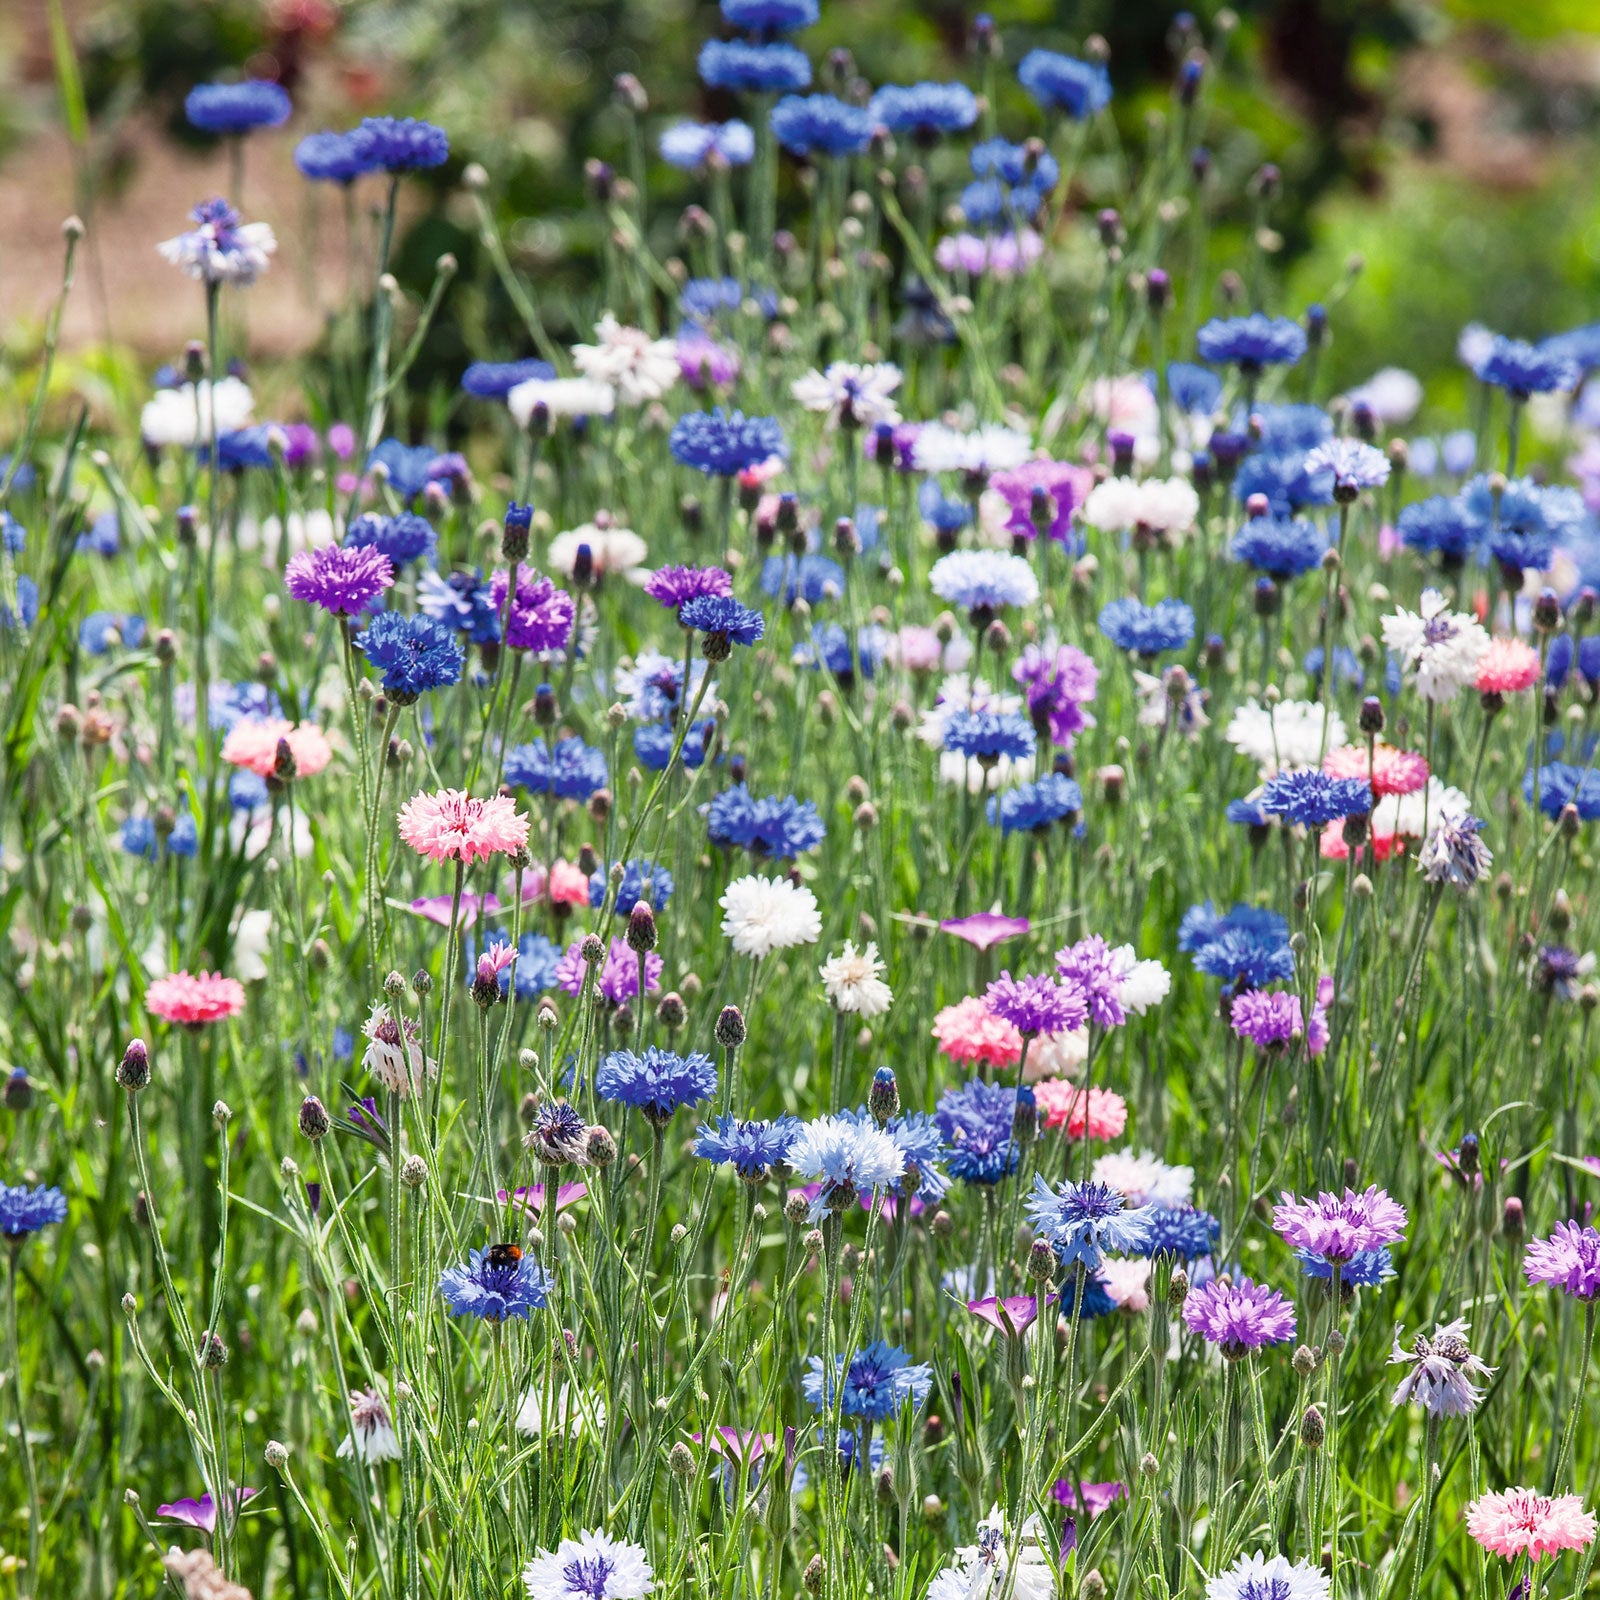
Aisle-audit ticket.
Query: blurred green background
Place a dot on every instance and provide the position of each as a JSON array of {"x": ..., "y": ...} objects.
[{"x": 1451, "y": 145}]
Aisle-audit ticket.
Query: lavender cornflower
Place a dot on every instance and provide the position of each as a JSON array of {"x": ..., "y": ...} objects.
[
  {"x": 541, "y": 615},
  {"x": 656, "y": 1083},
  {"x": 1064, "y": 83},
  {"x": 414, "y": 654},
  {"x": 342, "y": 579},
  {"x": 495, "y": 1284},
  {"x": 1312, "y": 799},
  {"x": 820, "y": 124},
  {"x": 844, "y": 1157},
  {"x": 221, "y": 247},
  {"x": 1147, "y": 630},
  {"x": 759, "y": 68},
  {"x": 1558, "y": 971},
  {"x": 1523, "y": 369},
  {"x": 1251, "y": 343},
  {"x": 1355, "y": 466},
  {"x": 1083, "y": 1221},
  {"x": 1091, "y": 967},
  {"x": 24, "y": 1211},
  {"x": 1454, "y": 854},
  {"x": 1058, "y": 684},
  {"x": 1441, "y": 1370},
  {"x": 879, "y": 1380},
  {"x": 723, "y": 444},
  {"x": 976, "y": 1122},
  {"x": 1239, "y": 1317},
  {"x": 1037, "y": 1004},
  {"x": 1339, "y": 1228},
  {"x": 1569, "y": 1259},
  {"x": 924, "y": 111},
  {"x": 672, "y": 587},
  {"x": 1269, "y": 1019},
  {"x": 989, "y": 736},
  {"x": 235, "y": 108},
  {"x": 752, "y": 1149}
]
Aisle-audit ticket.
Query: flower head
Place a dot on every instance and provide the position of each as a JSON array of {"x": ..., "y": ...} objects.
[
  {"x": 1147, "y": 630},
  {"x": 976, "y": 1121},
  {"x": 1281, "y": 547},
  {"x": 878, "y": 1381},
  {"x": 1338, "y": 1228},
  {"x": 1251, "y": 343},
  {"x": 970, "y": 1033},
  {"x": 1523, "y": 369},
  {"x": 24, "y": 1211},
  {"x": 1239, "y": 1317},
  {"x": 752, "y": 1149},
  {"x": 194, "y": 999},
  {"x": 1064, "y": 83},
  {"x": 821, "y": 124},
  {"x": 331, "y": 157},
  {"x": 572, "y": 771},
  {"x": 1507, "y": 666},
  {"x": 781, "y": 829},
  {"x": 1439, "y": 1371},
  {"x": 1037, "y": 806},
  {"x": 1514, "y": 1522},
  {"x": 1082, "y": 1221},
  {"x": 983, "y": 581},
  {"x": 1355, "y": 466},
  {"x": 760, "y": 68},
  {"x": 1309, "y": 799},
  {"x": 221, "y": 247},
  {"x": 400, "y": 144},
  {"x": 844, "y": 1156},
  {"x": 394, "y": 1053},
  {"x": 657, "y": 1082},
  {"x": 853, "y": 982},
  {"x": 453, "y": 825},
  {"x": 673, "y": 587},
  {"x": 414, "y": 654},
  {"x": 1438, "y": 648},
  {"x": 594, "y": 1566},
  {"x": 1454, "y": 854},
  {"x": 1261, "y": 1577},
  {"x": 341, "y": 579},
  {"x": 495, "y": 1284},
  {"x": 1569, "y": 1259},
  {"x": 763, "y": 915},
  {"x": 723, "y": 444},
  {"x": 639, "y": 367},
  {"x": 1037, "y": 1004},
  {"x": 693, "y": 144},
  {"x": 235, "y": 108},
  {"x": 254, "y": 744},
  {"x": 541, "y": 615},
  {"x": 371, "y": 1437},
  {"x": 403, "y": 538},
  {"x": 1081, "y": 1113}
]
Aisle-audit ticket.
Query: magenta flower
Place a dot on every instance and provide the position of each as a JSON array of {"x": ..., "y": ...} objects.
[
  {"x": 436, "y": 908},
  {"x": 201, "y": 1513},
  {"x": 1047, "y": 491},
  {"x": 1268, "y": 1018},
  {"x": 619, "y": 977},
  {"x": 986, "y": 929},
  {"x": 1058, "y": 684},
  {"x": 1569, "y": 1258},
  {"x": 541, "y": 614},
  {"x": 1338, "y": 1229},
  {"x": 534, "y": 1198},
  {"x": 1013, "y": 1316},
  {"x": 341, "y": 579},
  {"x": 1239, "y": 1317}
]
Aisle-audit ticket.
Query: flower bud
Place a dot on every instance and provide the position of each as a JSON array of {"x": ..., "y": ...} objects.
[
  {"x": 133, "y": 1071},
  {"x": 314, "y": 1121},
  {"x": 730, "y": 1028},
  {"x": 1312, "y": 1428},
  {"x": 883, "y": 1099}
]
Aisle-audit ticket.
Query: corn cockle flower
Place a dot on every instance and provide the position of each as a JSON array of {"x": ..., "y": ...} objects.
[
  {"x": 593, "y": 1566},
  {"x": 1013, "y": 1315},
  {"x": 201, "y": 1513},
  {"x": 1440, "y": 1371},
  {"x": 193, "y": 1000},
  {"x": 1515, "y": 1522},
  {"x": 453, "y": 825}
]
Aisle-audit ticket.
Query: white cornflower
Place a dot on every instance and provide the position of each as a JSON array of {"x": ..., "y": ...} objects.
[
  {"x": 371, "y": 1437},
  {"x": 1437, "y": 647},
  {"x": 767, "y": 914},
  {"x": 394, "y": 1053},
  {"x": 1411, "y": 815},
  {"x": 956, "y": 769},
  {"x": 1166, "y": 506},
  {"x": 1441, "y": 1371},
  {"x": 611, "y": 549},
  {"x": 594, "y": 1566},
  {"x": 1287, "y": 738},
  {"x": 1057, "y": 1055},
  {"x": 1126, "y": 1279},
  {"x": 853, "y": 392},
  {"x": 575, "y": 1413},
  {"x": 987, "y": 1570},
  {"x": 1392, "y": 395},
  {"x": 638, "y": 367},
  {"x": 1144, "y": 1179},
  {"x": 1144, "y": 983},
  {"x": 854, "y": 982},
  {"x": 561, "y": 397},
  {"x": 1259, "y": 1577},
  {"x": 178, "y": 416},
  {"x": 991, "y": 448},
  {"x": 252, "y": 940}
]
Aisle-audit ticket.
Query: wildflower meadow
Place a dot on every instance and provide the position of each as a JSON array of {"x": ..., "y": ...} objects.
[{"x": 912, "y": 921}]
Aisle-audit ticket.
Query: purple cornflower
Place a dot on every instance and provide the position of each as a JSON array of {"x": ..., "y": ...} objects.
[
  {"x": 541, "y": 614},
  {"x": 1440, "y": 1371},
  {"x": 656, "y": 1083},
  {"x": 1082, "y": 1221},
  {"x": 673, "y": 587},
  {"x": 1569, "y": 1258},
  {"x": 1058, "y": 684},
  {"x": 619, "y": 977},
  {"x": 1269, "y": 1018},
  {"x": 1239, "y": 1317},
  {"x": 1091, "y": 968},
  {"x": 1037, "y": 1004},
  {"x": 1338, "y": 1229},
  {"x": 1312, "y": 799},
  {"x": 341, "y": 579},
  {"x": 1041, "y": 497}
]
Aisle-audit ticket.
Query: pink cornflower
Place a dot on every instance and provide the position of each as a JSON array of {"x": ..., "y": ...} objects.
[
  {"x": 194, "y": 999},
  {"x": 1392, "y": 771},
  {"x": 568, "y": 885},
  {"x": 1127, "y": 1281},
  {"x": 253, "y": 743},
  {"x": 1102, "y": 1114},
  {"x": 969, "y": 1032},
  {"x": 342, "y": 579},
  {"x": 1508, "y": 666},
  {"x": 1383, "y": 842},
  {"x": 1514, "y": 1522},
  {"x": 454, "y": 826},
  {"x": 1569, "y": 1259},
  {"x": 1338, "y": 1229},
  {"x": 541, "y": 614}
]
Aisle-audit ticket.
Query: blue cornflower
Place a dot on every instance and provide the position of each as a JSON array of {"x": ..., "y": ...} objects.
[
  {"x": 982, "y": 582},
  {"x": 1249, "y": 943},
  {"x": 829, "y": 646},
  {"x": 1282, "y": 476},
  {"x": 1311, "y": 799},
  {"x": 240, "y": 449},
  {"x": 491, "y": 1286},
  {"x": 100, "y": 631},
  {"x": 404, "y": 538},
  {"x": 944, "y": 513},
  {"x": 691, "y": 144},
  {"x": 247, "y": 790},
  {"x": 1523, "y": 369},
  {"x": 1082, "y": 1221},
  {"x": 652, "y": 744},
  {"x": 640, "y": 880},
  {"x": 767, "y": 17},
  {"x": 1251, "y": 343},
  {"x": 1366, "y": 1270},
  {"x": 724, "y": 621},
  {"x": 343, "y": 1044},
  {"x": 1287, "y": 426},
  {"x": 24, "y": 1211},
  {"x": 880, "y": 1379},
  {"x": 1347, "y": 670},
  {"x": 1097, "y": 1301},
  {"x": 1147, "y": 630},
  {"x": 463, "y": 601},
  {"x": 779, "y": 828},
  {"x": 1032, "y": 807},
  {"x": 1558, "y": 661},
  {"x": 1561, "y": 785},
  {"x": 138, "y": 837},
  {"x": 400, "y": 144},
  {"x": 811, "y": 578},
  {"x": 1442, "y": 524},
  {"x": 1193, "y": 389},
  {"x": 1283, "y": 548},
  {"x": 102, "y": 537},
  {"x": 1354, "y": 465},
  {"x": 722, "y": 444},
  {"x": 760, "y": 68},
  {"x": 14, "y": 537},
  {"x": 1248, "y": 814},
  {"x": 331, "y": 157},
  {"x": 1064, "y": 83},
  {"x": 1013, "y": 164},
  {"x": 494, "y": 380},
  {"x": 703, "y": 300},
  {"x": 820, "y": 125},
  {"x": 1580, "y": 345},
  {"x": 27, "y": 608},
  {"x": 237, "y": 107},
  {"x": 1011, "y": 184},
  {"x": 976, "y": 1123},
  {"x": 414, "y": 654},
  {"x": 986, "y": 736},
  {"x": 917, "y": 1137},
  {"x": 656, "y": 1083},
  {"x": 752, "y": 1149},
  {"x": 409, "y": 468},
  {"x": 1522, "y": 530},
  {"x": 1182, "y": 1231},
  {"x": 573, "y": 772},
  {"x": 924, "y": 110},
  {"x": 535, "y": 968}
]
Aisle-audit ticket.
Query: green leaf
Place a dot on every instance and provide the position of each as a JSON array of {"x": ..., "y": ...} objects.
[{"x": 68, "y": 79}]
